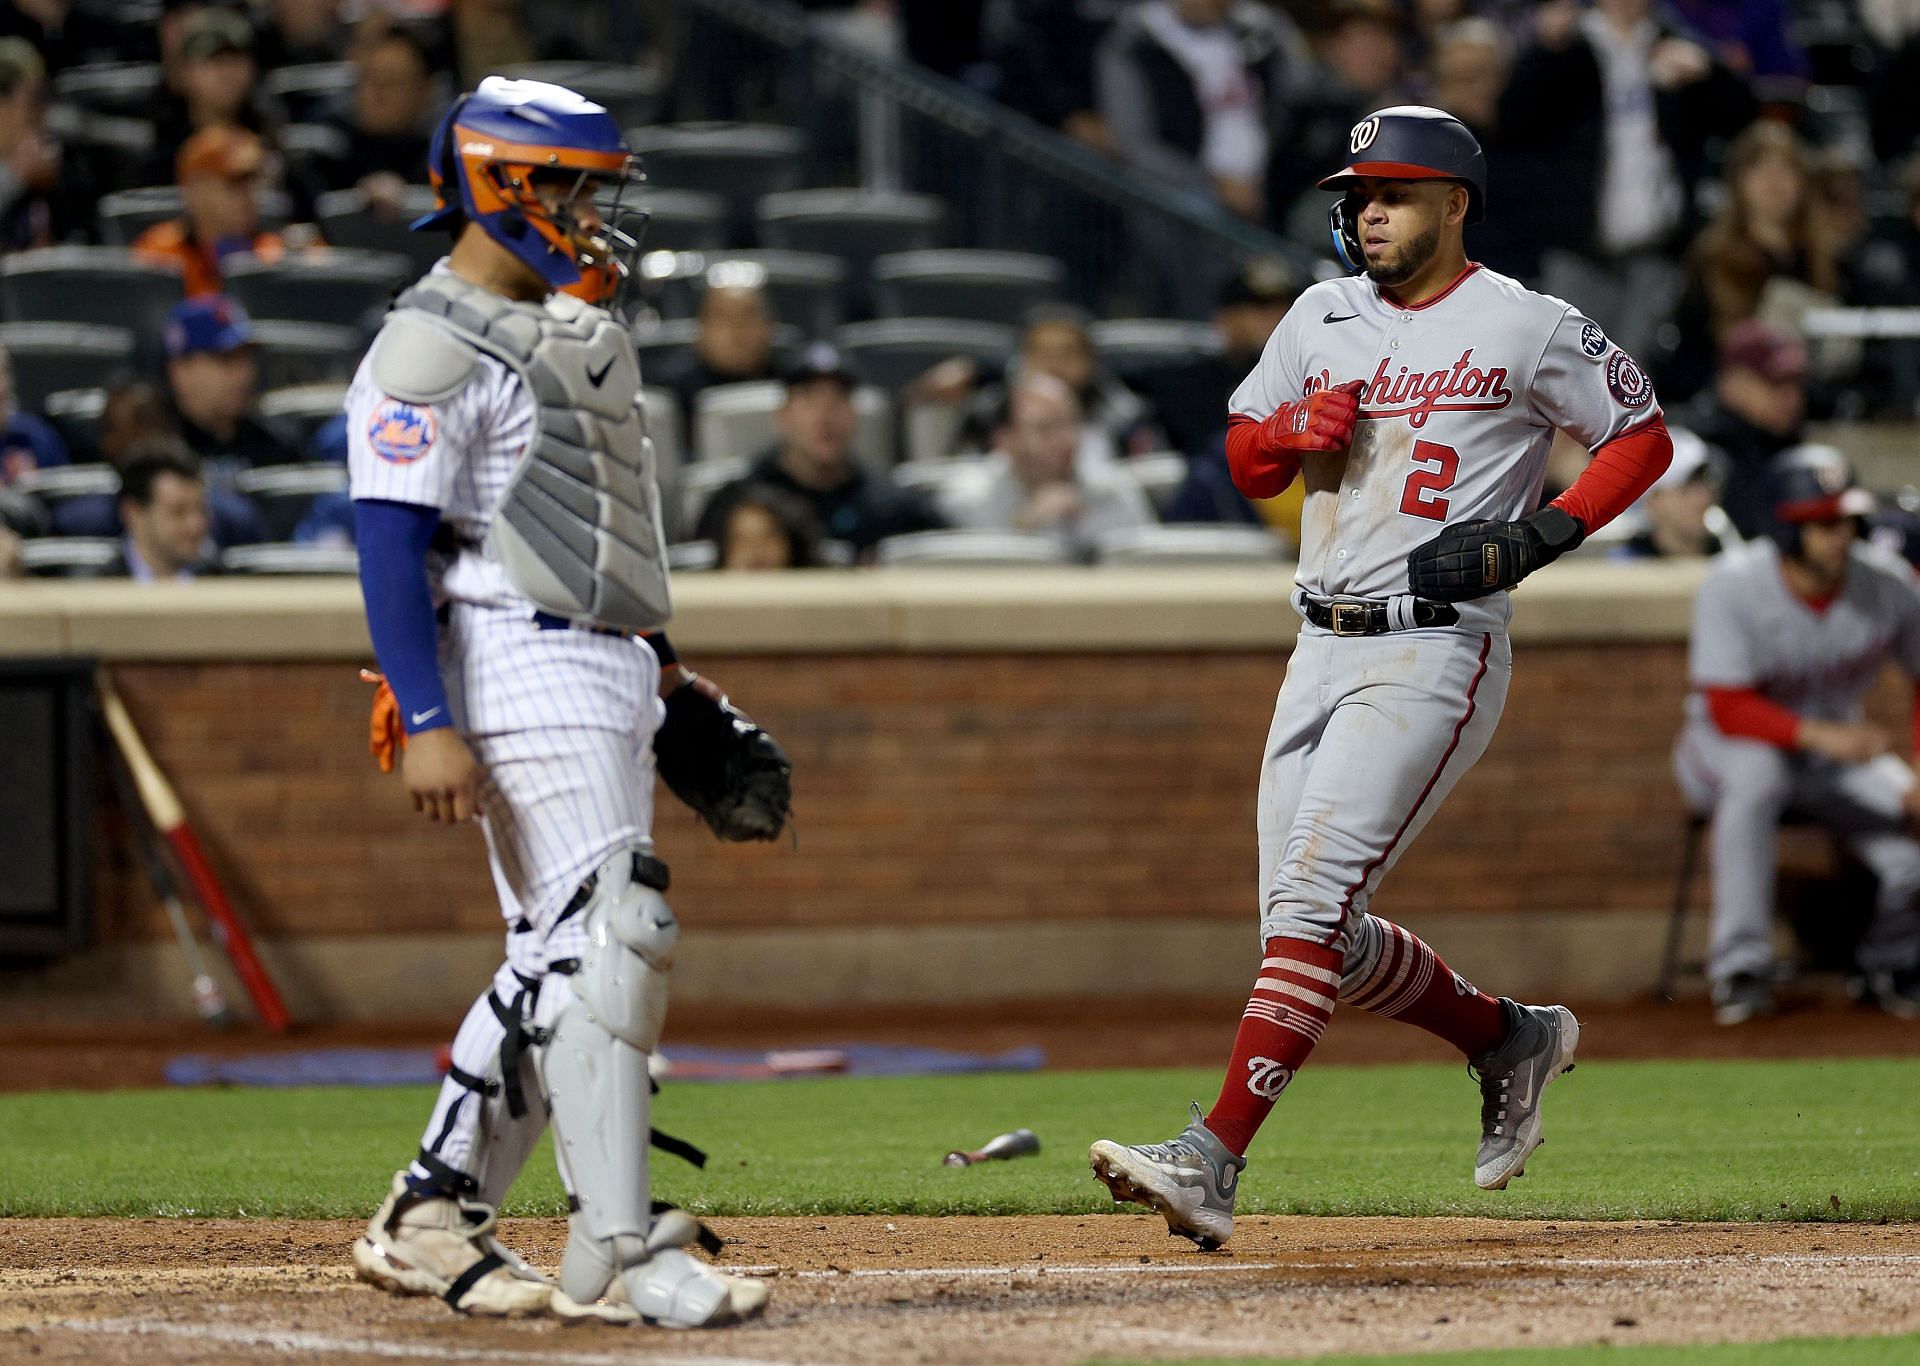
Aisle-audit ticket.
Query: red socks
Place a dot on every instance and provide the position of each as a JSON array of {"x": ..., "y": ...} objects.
[
  {"x": 1285, "y": 1017},
  {"x": 1410, "y": 983}
]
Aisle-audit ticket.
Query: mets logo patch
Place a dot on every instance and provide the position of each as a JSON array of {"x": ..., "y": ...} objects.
[
  {"x": 401, "y": 433},
  {"x": 1593, "y": 341},
  {"x": 1628, "y": 381}
]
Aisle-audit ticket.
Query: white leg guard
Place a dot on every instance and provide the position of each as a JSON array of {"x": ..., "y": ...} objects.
[{"x": 593, "y": 1066}]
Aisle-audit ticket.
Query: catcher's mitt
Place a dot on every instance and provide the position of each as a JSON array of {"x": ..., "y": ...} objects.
[
  {"x": 733, "y": 774},
  {"x": 1473, "y": 559}
]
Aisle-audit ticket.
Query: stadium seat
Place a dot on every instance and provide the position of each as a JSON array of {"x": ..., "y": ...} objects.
[
  {"x": 858, "y": 226},
  {"x": 69, "y": 557},
  {"x": 346, "y": 288},
  {"x": 77, "y": 413},
  {"x": 991, "y": 286},
  {"x": 667, "y": 426},
  {"x": 935, "y": 477},
  {"x": 741, "y": 162},
  {"x": 283, "y": 493},
  {"x": 692, "y": 557},
  {"x": 57, "y": 483},
  {"x": 738, "y": 420},
  {"x": 348, "y": 219},
  {"x": 1130, "y": 347},
  {"x": 125, "y": 214},
  {"x": 291, "y": 353},
  {"x": 680, "y": 220},
  {"x": 1159, "y": 475},
  {"x": 124, "y": 88},
  {"x": 310, "y": 91},
  {"x": 114, "y": 148},
  {"x": 1191, "y": 544},
  {"x": 932, "y": 430},
  {"x": 655, "y": 341},
  {"x": 896, "y": 351},
  {"x": 973, "y": 549},
  {"x": 302, "y": 408},
  {"x": 49, "y": 357},
  {"x": 806, "y": 289},
  {"x": 91, "y": 285},
  {"x": 701, "y": 480},
  {"x": 277, "y": 557},
  {"x": 634, "y": 95}
]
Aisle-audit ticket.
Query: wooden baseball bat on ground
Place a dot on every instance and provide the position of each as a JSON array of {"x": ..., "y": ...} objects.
[{"x": 163, "y": 808}]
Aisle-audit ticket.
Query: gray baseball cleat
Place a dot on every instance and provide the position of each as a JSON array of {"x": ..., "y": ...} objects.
[
  {"x": 1191, "y": 1180},
  {"x": 1539, "y": 1047}
]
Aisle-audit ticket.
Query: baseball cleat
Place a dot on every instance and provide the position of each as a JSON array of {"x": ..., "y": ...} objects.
[
  {"x": 1897, "y": 993},
  {"x": 1539, "y": 1047},
  {"x": 1191, "y": 1180},
  {"x": 422, "y": 1244},
  {"x": 1742, "y": 997}
]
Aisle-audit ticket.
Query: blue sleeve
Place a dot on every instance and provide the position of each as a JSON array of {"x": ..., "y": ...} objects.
[{"x": 394, "y": 539}]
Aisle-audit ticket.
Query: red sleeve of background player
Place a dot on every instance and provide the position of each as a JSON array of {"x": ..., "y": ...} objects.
[
  {"x": 1619, "y": 473},
  {"x": 1257, "y": 473},
  {"x": 1744, "y": 714}
]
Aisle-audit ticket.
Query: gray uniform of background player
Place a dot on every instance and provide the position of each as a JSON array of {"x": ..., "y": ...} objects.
[
  {"x": 1751, "y": 631},
  {"x": 1371, "y": 733}
]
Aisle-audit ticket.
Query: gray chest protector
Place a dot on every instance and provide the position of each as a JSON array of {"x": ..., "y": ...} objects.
[{"x": 578, "y": 528}]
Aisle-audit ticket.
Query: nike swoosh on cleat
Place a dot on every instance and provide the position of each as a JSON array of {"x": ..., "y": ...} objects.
[{"x": 1339, "y": 317}]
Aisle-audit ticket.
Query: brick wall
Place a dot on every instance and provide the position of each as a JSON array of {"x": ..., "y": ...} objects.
[{"x": 934, "y": 789}]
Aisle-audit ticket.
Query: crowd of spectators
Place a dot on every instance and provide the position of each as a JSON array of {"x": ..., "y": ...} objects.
[{"x": 1696, "y": 174}]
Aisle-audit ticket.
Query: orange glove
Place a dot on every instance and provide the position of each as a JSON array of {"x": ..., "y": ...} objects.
[
  {"x": 1319, "y": 422},
  {"x": 386, "y": 737}
]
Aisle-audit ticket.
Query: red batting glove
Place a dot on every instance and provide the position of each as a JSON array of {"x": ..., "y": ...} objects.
[{"x": 1318, "y": 422}]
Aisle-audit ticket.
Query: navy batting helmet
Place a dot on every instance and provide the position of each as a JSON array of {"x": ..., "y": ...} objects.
[
  {"x": 1405, "y": 142},
  {"x": 1813, "y": 484}
]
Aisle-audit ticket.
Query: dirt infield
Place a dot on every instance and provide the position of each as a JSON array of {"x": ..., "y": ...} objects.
[{"x": 874, "y": 1290}]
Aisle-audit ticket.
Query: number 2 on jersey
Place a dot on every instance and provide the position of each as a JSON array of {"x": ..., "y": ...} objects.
[{"x": 1439, "y": 464}]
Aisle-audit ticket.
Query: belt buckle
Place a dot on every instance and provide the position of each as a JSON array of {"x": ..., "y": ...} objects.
[{"x": 1339, "y": 611}]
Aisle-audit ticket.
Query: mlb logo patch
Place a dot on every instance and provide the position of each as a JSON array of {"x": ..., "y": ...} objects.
[
  {"x": 401, "y": 433},
  {"x": 1593, "y": 341}
]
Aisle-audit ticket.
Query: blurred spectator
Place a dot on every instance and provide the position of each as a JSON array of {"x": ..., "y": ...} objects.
[
  {"x": 219, "y": 171},
  {"x": 1356, "y": 68},
  {"x": 212, "y": 83},
  {"x": 734, "y": 345},
  {"x": 1030, "y": 483},
  {"x": 1056, "y": 342},
  {"x": 768, "y": 528},
  {"x": 66, "y": 34},
  {"x": 300, "y": 33},
  {"x": 136, "y": 410},
  {"x": 1187, "y": 89},
  {"x": 1755, "y": 411},
  {"x": 1750, "y": 36},
  {"x": 1043, "y": 52},
  {"x": 1190, "y": 401},
  {"x": 1468, "y": 69},
  {"x": 11, "y": 566},
  {"x": 27, "y": 442},
  {"x": 1614, "y": 111},
  {"x": 1892, "y": 108},
  {"x": 1765, "y": 238},
  {"x": 43, "y": 200},
  {"x": 383, "y": 138},
  {"x": 813, "y": 461},
  {"x": 1677, "y": 513},
  {"x": 212, "y": 381},
  {"x": 163, "y": 505}
]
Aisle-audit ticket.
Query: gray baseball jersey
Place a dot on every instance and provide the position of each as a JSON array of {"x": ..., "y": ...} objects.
[
  {"x": 1750, "y": 631},
  {"x": 1463, "y": 395}
]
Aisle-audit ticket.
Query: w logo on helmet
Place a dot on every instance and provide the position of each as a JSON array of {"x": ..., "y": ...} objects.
[
  {"x": 1363, "y": 134},
  {"x": 1267, "y": 1078}
]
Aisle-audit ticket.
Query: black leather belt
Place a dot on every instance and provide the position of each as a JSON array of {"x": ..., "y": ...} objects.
[
  {"x": 547, "y": 621},
  {"x": 1363, "y": 618}
]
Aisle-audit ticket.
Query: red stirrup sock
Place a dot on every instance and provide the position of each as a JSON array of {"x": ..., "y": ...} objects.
[
  {"x": 1285, "y": 1017},
  {"x": 1410, "y": 983}
]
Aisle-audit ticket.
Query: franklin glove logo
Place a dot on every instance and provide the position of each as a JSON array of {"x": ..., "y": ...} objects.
[{"x": 1267, "y": 1078}]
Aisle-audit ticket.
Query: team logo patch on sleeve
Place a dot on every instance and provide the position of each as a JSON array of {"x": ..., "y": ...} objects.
[
  {"x": 401, "y": 433},
  {"x": 1593, "y": 341},
  {"x": 1628, "y": 381}
]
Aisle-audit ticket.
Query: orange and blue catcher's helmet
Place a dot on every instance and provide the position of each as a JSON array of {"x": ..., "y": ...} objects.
[{"x": 514, "y": 158}]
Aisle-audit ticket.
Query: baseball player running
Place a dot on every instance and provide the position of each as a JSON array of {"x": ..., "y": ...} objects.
[
  {"x": 1788, "y": 636},
  {"x": 1417, "y": 401},
  {"x": 511, "y": 549}
]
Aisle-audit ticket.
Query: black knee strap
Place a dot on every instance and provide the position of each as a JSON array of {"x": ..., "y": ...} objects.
[{"x": 513, "y": 1044}]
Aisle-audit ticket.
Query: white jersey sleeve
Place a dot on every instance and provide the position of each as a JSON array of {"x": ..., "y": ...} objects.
[
  {"x": 403, "y": 452},
  {"x": 1723, "y": 653},
  {"x": 1588, "y": 387},
  {"x": 1277, "y": 377}
]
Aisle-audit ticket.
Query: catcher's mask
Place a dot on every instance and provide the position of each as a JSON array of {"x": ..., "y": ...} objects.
[{"x": 542, "y": 171}]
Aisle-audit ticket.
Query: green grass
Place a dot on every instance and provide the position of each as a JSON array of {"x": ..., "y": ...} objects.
[
  {"x": 1666, "y": 1140},
  {"x": 1898, "y": 1351}
]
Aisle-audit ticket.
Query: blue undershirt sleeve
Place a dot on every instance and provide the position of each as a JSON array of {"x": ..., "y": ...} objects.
[{"x": 393, "y": 540}]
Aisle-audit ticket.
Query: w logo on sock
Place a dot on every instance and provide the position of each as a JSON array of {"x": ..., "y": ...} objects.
[{"x": 1267, "y": 1078}]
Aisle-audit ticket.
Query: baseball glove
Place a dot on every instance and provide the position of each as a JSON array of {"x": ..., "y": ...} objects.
[
  {"x": 1473, "y": 559},
  {"x": 732, "y": 774}
]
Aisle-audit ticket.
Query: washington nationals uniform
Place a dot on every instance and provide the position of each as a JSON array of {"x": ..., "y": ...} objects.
[
  {"x": 1751, "y": 632},
  {"x": 1463, "y": 394}
]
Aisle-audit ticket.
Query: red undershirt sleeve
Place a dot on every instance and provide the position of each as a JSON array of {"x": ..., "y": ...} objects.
[
  {"x": 1744, "y": 714},
  {"x": 1619, "y": 473},
  {"x": 1257, "y": 473}
]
